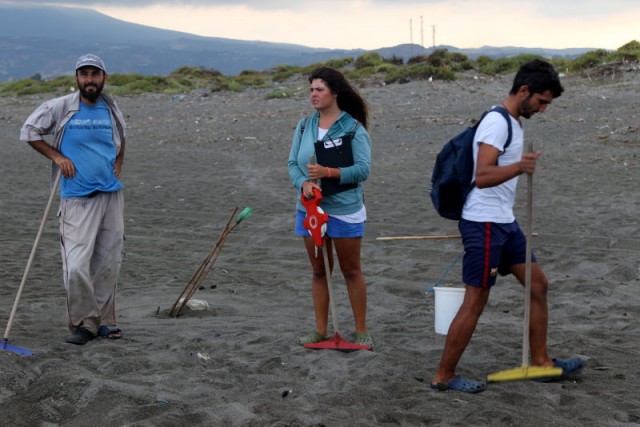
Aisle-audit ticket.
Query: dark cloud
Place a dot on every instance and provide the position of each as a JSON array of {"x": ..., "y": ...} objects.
[
  {"x": 255, "y": 4},
  {"x": 551, "y": 8}
]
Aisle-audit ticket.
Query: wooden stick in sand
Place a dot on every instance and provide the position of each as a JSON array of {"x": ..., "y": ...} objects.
[{"x": 203, "y": 270}]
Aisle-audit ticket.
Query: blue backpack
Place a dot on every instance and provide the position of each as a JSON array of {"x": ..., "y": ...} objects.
[{"x": 452, "y": 179}]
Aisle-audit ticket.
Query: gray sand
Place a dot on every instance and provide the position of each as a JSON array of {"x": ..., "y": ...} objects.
[{"x": 190, "y": 161}]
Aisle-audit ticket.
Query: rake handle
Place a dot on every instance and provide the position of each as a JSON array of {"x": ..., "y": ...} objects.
[
  {"x": 327, "y": 273},
  {"x": 332, "y": 303},
  {"x": 56, "y": 182}
]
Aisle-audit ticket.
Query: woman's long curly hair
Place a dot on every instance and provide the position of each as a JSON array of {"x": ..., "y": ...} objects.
[{"x": 349, "y": 98}]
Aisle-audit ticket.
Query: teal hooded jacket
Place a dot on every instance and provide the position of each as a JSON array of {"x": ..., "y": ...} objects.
[{"x": 302, "y": 148}]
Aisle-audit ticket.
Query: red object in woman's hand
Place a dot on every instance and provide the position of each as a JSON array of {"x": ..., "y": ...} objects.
[{"x": 316, "y": 219}]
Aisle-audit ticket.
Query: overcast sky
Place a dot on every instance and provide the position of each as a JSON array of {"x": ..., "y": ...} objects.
[{"x": 371, "y": 24}]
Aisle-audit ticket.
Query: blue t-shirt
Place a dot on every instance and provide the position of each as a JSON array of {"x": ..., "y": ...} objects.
[{"x": 88, "y": 142}]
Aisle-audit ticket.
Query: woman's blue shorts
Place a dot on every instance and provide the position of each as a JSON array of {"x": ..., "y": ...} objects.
[{"x": 336, "y": 228}]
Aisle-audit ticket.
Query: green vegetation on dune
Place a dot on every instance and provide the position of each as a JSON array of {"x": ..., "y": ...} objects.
[{"x": 365, "y": 69}]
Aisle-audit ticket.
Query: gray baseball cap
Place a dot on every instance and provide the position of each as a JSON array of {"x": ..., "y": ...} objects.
[{"x": 90, "y": 60}]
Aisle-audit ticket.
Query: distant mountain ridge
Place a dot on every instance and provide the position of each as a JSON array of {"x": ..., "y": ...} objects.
[{"x": 46, "y": 40}]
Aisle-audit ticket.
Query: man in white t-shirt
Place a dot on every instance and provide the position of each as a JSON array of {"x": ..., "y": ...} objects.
[{"x": 493, "y": 241}]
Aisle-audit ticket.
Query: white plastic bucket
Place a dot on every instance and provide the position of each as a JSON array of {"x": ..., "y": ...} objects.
[{"x": 447, "y": 303}]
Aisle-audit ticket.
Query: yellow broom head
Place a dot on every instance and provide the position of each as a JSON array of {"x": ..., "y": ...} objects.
[{"x": 525, "y": 373}]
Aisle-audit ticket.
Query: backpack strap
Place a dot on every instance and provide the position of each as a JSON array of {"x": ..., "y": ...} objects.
[
  {"x": 500, "y": 109},
  {"x": 355, "y": 128},
  {"x": 303, "y": 124}
]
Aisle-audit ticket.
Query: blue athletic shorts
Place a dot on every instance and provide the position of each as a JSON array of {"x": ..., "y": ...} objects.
[
  {"x": 335, "y": 228},
  {"x": 490, "y": 249}
]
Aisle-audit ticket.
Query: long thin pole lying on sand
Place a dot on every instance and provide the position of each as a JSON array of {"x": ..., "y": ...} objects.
[
  {"x": 203, "y": 270},
  {"x": 434, "y": 237},
  {"x": 445, "y": 236}
]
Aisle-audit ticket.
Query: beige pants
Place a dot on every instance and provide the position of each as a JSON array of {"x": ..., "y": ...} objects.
[{"x": 92, "y": 243}]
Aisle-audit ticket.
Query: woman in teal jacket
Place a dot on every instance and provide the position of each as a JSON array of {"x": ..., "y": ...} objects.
[{"x": 336, "y": 136}]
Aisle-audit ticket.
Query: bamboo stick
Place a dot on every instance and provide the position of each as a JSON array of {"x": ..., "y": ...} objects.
[
  {"x": 204, "y": 271},
  {"x": 205, "y": 266}
]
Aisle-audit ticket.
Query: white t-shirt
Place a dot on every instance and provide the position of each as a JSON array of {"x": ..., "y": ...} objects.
[{"x": 495, "y": 204}]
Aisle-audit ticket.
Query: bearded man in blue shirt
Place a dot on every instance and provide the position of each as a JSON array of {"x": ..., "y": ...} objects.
[{"x": 87, "y": 153}]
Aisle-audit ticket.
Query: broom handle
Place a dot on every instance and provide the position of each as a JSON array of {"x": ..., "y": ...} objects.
[
  {"x": 32, "y": 255},
  {"x": 527, "y": 271}
]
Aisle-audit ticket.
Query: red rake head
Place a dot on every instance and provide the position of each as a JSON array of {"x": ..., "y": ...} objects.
[
  {"x": 315, "y": 218},
  {"x": 337, "y": 343}
]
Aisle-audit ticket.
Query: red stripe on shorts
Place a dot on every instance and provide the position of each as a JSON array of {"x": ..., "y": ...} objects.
[{"x": 487, "y": 253}]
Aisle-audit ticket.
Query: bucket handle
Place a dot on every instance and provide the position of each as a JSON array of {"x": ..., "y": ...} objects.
[{"x": 442, "y": 277}]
